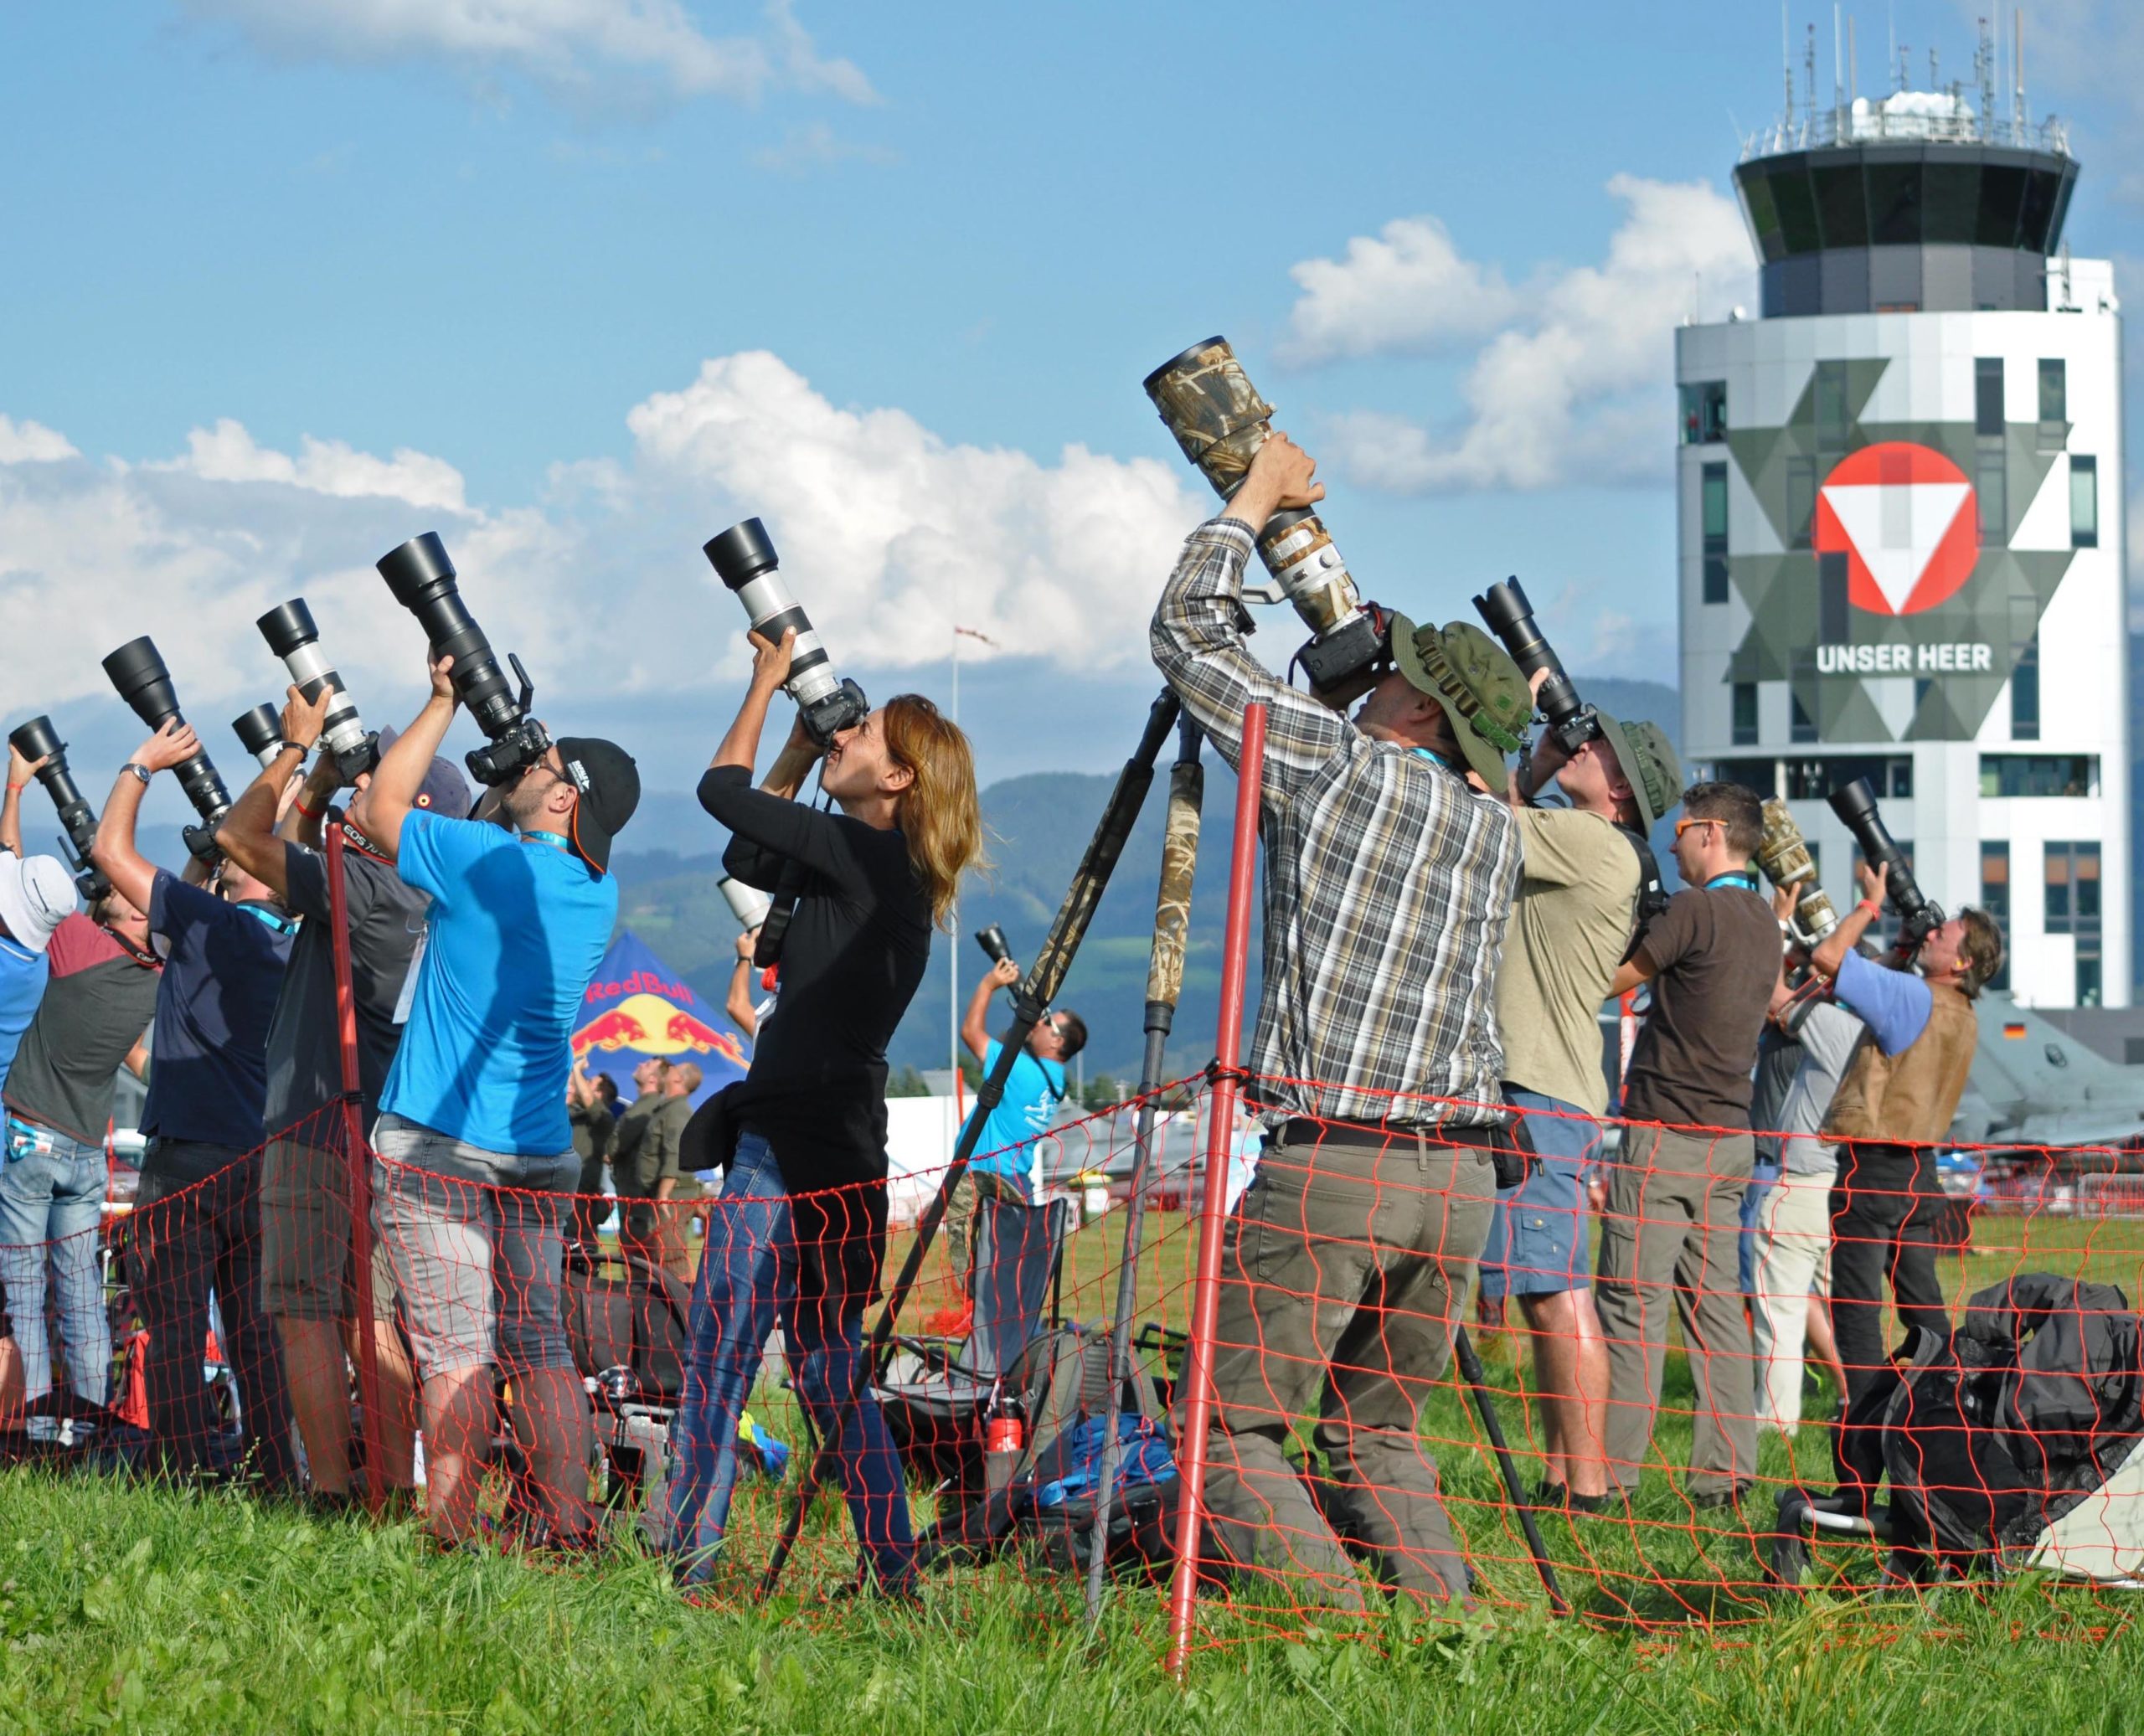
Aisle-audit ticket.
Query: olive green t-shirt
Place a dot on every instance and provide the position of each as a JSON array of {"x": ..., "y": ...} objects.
[{"x": 1577, "y": 899}]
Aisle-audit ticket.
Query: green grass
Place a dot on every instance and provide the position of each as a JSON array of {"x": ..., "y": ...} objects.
[{"x": 149, "y": 1608}]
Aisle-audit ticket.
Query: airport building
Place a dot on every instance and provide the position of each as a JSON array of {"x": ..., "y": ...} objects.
[{"x": 1900, "y": 520}]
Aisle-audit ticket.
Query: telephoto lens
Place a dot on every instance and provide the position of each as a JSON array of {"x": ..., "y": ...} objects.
[
  {"x": 991, "y": 941},
  {"x": 290, "y": 632},
  {"x": 1208, "y": 403},
  {"x": 260, "y": 732},
  {"x": 37, "y": 739},
  {"x": 743, "y": 558},
  {"x": 145, "y": 684},
  {"x": 747, "y": 903},
  {"x": 1784, "y": 856},
  {"x": 422, "y": 579},
  {"x": 1505, "y": 611},
  {"x": 1918, "y": 916}
]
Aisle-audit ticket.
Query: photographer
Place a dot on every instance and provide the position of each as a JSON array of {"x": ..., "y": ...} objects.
[
  {"x": 649, "y": 1178},
  {"x": 1569, "y": 931},
  {"x": 592, "y": 1106},
  {"x": 1897, "y": 1099},
  {"x": 197, "y": 1223},
  {"x": 306, "y": 1229},
  {"x": 1791, "y": 1243},
  {"x": 475, "y": 1163},
  {"x": 802, "y": 1224},
  {"x": 1391, "y": 864},
  {"x": 1673, "y": 1215},
  {"x": 1014, "y": 1232}
]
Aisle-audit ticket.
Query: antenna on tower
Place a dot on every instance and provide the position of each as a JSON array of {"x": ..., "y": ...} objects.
[
  {"x": 2017, "y": 67},
  {"x": 1809, "y": 70},
  {"x": 1935, "y": 77},
  {"x": 1853, "y": 65},
  {"x": 1984, "y": 75},
  {"x": 1838, "y": 76},
  {"x": 1786, "y": 65}
]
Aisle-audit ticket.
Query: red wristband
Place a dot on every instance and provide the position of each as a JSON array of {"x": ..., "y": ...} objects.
[
  {"x": 298, "y": 802},
  {"x": 12, "y": 785},
  {"x": 1871, "y": 906}
]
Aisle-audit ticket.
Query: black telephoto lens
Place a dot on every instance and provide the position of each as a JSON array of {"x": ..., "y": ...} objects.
[
  {"x": 1856, "y": 806},
  {"x": 37, "y": 739},
  {"x": 423, "y": 580},
  {"x": 260, "y": 732},
  {"x": 991, "y": 941},
  {"x": 138, "y": 673},
  {"x": 1505, "y": 611}
]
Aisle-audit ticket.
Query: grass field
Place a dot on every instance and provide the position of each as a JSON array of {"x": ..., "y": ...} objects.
[{"x": 142, "y": 1608}]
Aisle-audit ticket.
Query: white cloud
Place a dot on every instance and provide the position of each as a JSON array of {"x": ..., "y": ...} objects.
[
  {"x": 1405, "y": 290},
  {"x": 1575, "y": 388},
  {"x": 569, "y": 46},
  {"x": 227, "y": 453},
  {"x": 891, "y": 534},
  {"x": 32, "y": 443},
  {"x": 815, "y": 146}
]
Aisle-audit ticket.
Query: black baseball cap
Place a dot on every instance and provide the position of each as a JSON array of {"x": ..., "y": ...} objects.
[{"x": 609, "y": 783}]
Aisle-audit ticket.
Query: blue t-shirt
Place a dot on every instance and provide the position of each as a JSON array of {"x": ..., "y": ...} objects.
[
  {"x": 1894, "y": 1004},
  {"x": 23, "y": 974},
  {"x": 1032, "y": 1090},
  {"x": 208, "y": 1062},
  {"x": 516, "y": 928}
]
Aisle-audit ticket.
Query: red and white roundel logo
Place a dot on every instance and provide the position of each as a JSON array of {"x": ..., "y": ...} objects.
[{"x": 1905, "y": 518}]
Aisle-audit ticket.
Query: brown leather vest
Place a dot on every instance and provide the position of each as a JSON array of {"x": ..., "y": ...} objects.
[{"x": 1909, "y": 1098}]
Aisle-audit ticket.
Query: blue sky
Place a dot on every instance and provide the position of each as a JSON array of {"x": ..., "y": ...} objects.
[{"x": 578, "y": 282}]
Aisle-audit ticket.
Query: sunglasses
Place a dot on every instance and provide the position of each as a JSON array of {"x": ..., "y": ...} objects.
[{"x": 1684, "y": 826}]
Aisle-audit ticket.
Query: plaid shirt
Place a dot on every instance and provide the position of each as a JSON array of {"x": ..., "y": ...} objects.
[{"x": 1389, "y": 880}]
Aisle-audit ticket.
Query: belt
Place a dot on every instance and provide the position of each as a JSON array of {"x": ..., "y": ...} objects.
[{"x": 1306, "y": 1131}]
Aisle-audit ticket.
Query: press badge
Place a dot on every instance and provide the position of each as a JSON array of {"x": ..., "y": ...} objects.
[{"x": 407, "y": 998}]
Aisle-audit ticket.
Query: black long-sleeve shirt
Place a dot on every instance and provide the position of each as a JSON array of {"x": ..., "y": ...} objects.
[{"x": 855, "y": 953}]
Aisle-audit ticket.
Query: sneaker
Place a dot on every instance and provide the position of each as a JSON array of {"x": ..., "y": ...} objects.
[{"x": 1713, "y": 1499}]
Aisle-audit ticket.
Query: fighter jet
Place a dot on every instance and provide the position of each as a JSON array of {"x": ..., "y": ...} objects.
[{"x": 2033, "y": 1084}]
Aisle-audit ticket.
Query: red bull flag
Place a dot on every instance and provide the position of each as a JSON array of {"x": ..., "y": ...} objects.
[{"x": 638, "y": 1009}]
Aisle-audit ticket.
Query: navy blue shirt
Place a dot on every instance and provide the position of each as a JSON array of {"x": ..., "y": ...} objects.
[{"x": 209, "y": 1061}]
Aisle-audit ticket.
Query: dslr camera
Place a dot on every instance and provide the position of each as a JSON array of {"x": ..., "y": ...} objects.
[
  {"x": 743, "y": 558},
  {"x": 143, "y": 682},
  {"x": 422, "y": 579},
  {"x": 1505, "y": 611},
  {"x": 37, "y": 739},
  {"x": 1207, "y": 402}
]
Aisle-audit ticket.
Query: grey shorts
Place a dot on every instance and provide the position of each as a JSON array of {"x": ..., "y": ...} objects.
[
  {"x": 475, "y": 1239},
  {"x": 306, "y": 1271}
]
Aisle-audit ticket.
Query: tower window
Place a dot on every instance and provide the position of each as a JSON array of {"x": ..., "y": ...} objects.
[
  {"x": 1713, "y": 506},
  {"x": 2025, "y": 693},
  {"x": 2084, "y": 503},
  {"x": 1745, "y": 718},
  {"x": 1987, "y": 395},
  {"x": 1704, "y": 412}
]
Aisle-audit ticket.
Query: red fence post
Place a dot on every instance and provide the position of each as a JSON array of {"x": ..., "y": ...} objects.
[
  {"x": 1221, "y": 1115},
  {"x": 354, "y": 1155}
]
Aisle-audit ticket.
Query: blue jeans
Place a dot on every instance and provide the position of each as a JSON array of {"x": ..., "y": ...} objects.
[
  {"x": 747, "y": 1277},
  {"x": 50, "y": 1203},
  {"x": 1762, "y": 1177}
]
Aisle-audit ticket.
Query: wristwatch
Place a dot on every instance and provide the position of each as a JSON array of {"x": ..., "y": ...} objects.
[{"x": 139, "y": 770}]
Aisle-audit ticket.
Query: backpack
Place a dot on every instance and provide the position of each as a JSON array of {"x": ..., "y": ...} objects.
[{"x": 629, "y": 1323}]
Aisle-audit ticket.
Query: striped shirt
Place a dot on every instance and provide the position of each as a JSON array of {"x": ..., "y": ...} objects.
[{"x": 1389, "y": 881}]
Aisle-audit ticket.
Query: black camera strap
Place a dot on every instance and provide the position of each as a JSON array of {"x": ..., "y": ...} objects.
[
  {"x": 1652, "y": 895},
  {"x": 788, "y": 889}
]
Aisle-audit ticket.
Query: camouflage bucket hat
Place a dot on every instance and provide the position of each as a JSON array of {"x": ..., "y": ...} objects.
[
  {"x": 1479, "y": 689},
  {"x": 1649, "y": 764}
]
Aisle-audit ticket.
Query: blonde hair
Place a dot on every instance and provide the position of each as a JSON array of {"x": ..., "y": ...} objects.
[{"x": 939, "y": 815}]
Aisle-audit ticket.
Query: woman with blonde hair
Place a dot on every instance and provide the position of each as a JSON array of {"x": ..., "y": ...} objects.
[{"x": 800, "y": 1230}]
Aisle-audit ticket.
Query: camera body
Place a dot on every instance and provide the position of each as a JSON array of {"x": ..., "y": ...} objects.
[
  {"x": 37, "y": 739},
  {"x": 1210, "y": 406},
  {"x": 1506, "y": 612},
  {"x": 422, "y": 581},
  {"x": 743, "y": 558},
  {"x": 143, "y": 682},
  {"x": 260, "y": 732},
  {"x": 290, "y": 632},
  {"x": 1919, "y": 915}
]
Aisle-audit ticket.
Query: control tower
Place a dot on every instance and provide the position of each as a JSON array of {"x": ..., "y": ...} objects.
[{"x": 1900, "y": 530}]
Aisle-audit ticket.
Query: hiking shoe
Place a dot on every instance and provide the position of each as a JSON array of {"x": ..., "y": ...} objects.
[
  {"x": 1713, "y": 1499},
  {"x": 1558, "y": 1495}
]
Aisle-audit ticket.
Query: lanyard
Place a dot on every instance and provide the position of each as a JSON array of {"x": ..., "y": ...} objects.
[{"x": 1733, "y": 877}]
